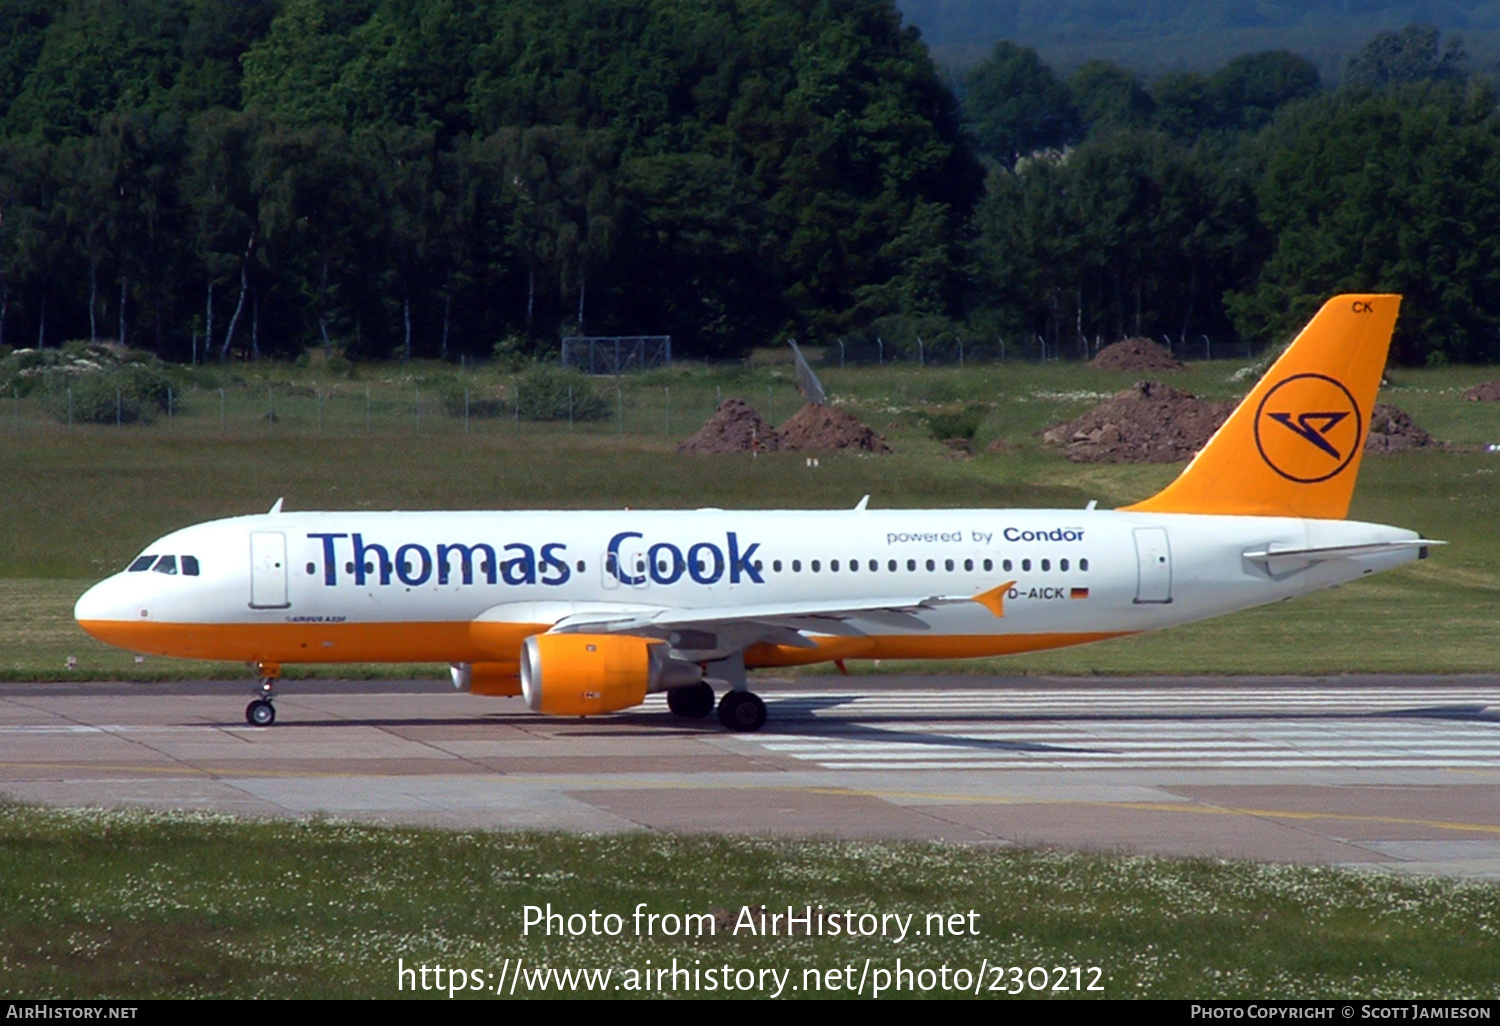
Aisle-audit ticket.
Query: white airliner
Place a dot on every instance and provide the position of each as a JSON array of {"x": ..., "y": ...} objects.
[{"x": 588, "y": 612}]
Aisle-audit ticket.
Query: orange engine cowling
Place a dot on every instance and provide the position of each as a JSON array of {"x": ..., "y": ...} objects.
[{"x": 586, "y": 674}]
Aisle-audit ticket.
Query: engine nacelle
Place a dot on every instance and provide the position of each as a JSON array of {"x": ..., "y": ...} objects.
[
  {"x": 493, "y": 679},
  {"x": 587, "y": 674}
]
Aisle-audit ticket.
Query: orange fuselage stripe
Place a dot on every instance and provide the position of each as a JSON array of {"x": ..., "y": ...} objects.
[{"x": 482, "y": 642}]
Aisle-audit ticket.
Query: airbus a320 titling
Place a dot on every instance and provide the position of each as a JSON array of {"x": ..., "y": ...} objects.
[{"x": 586, "y": 613}]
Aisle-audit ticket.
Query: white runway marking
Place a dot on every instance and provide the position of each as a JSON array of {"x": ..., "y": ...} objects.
[{"x": 1138, "y": 728}]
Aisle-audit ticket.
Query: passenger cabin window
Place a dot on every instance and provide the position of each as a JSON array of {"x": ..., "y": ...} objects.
[
  {"x": 141, "y": 563},
  {"x": 1007, "y": 565},
  {"x": 1046, "y": 564},
  {"x": 166, "y": 565},
  {"x": 891, "y": 566},
  {"x": 1062, "y": 564},
  {"x": 1025, "y": 564},
  {"x": 190, "y": 566},
  {"x": 989, "y": 564},
  {"x": 1083, "y": 564}
]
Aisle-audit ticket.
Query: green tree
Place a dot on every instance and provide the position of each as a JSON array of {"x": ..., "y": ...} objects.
[
  {"x": 1014, "y": 104},
  {"x": 1251, "y": 88},
  {"x": 1400, "y": 58},
  {"x": 1109, "y": 96},
  {"x": 1130, "y": 233},
  {"x": 1397, "y": 190}
]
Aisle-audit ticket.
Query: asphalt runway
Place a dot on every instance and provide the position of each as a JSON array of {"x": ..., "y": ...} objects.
[{"x": 1398, "y": 773}]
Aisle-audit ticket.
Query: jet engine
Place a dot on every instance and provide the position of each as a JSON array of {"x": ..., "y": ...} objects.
[{"x": 586, "y": 674}]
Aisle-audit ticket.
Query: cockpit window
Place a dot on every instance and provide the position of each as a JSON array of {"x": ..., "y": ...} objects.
[
  {"x": 141, "y": 563},
  {"x": 166, "y": 565},
  {"x": 190, "y": 565}
]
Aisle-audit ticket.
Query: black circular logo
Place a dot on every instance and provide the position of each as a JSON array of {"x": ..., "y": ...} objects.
[{"x": 1308, "y": 428}]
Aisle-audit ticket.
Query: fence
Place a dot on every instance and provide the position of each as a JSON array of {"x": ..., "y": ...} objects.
[
  {"x": 957, "y": 352},
  {"x": 617, "y": 354},
  {"x": 282, "y": 411}
]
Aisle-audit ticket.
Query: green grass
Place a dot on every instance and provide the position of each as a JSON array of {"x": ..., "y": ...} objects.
[
  {"x": 83, "y": 501},
  {"x": 144, "y": 905}
]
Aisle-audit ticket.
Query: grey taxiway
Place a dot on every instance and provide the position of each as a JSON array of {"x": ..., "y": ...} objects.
[{"x": 1398, "y": 773}]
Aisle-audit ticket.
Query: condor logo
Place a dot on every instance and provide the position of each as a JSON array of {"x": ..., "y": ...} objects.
[{"x": 1308, "y": 428}]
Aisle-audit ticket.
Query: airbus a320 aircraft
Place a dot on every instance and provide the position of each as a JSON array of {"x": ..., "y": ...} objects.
[{"x": 588, "y": 612}]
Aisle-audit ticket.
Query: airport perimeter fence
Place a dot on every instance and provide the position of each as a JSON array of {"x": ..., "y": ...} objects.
[
  {"x": 959, "y": 352},
  {"x": 279, "y": 411}
]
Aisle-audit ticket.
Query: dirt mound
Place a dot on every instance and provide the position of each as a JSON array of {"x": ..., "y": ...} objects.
[
  {"x": 1392, "y": 430},
  {"x": 1135, "y": 354},
  {"x": 734, "y": 427},
  {"x": 1153, "y": 423},
  {"x": 828, "y": 427},
  {"x": 1146, "y": 423},
  {"x": 1485, "y": 393}
]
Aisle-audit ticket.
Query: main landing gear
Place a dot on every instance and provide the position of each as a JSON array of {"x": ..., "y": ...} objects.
[
  {"x": 742, "y": 711},
  {"x": 261, "y": 713},
  {"x": 692, "y": 702}
]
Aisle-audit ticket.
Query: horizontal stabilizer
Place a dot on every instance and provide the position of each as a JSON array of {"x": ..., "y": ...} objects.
[{"x": 1321, "y": 553}]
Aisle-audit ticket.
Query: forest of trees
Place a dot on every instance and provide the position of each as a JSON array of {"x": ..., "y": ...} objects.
[
  {"x": 217, "y": 178},
  {"x": 1158, "y": 36}
]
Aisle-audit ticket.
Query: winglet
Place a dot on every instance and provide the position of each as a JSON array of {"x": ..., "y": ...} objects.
[
  {"x": 994, "y": 599},
  {"x": 1292, "y": 448},
  {"x": 859, "y": 507},
  {"x": 277, "y": 507}
]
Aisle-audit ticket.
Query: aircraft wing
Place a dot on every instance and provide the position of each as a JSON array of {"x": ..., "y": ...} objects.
[
  {"x": 784, "y": 623},
  {"x": 627, "y": 620},
  {"x": 780, "y": 623}
]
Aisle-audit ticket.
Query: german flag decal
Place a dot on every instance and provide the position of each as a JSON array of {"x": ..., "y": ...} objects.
[{"x": 1078, "y": 593}]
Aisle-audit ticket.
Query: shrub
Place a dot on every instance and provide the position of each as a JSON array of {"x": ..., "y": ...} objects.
[
  {"x": 546, "y": 391},
  {"x": 104, "y": 398},
  {"x": 479, "y": 404},
  {"x": 961, "y": 424}
]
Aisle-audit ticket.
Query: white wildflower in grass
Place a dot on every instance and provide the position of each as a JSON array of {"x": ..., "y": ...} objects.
[
  {"x": 87, "y": 897},
  {"x": 1077, "y": 395}
]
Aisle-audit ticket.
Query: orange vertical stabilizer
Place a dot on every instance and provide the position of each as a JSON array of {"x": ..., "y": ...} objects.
[{"x": 1293, "y": 446}]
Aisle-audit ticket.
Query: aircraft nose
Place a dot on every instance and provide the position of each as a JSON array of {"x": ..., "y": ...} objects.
[{"x": 102, "y": 604}]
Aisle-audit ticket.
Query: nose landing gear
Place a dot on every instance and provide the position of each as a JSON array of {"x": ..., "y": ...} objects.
[{"x": 260, "y": 712}]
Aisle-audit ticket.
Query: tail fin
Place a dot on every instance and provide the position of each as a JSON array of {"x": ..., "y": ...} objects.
[{"x": 1293, "y": 446}]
